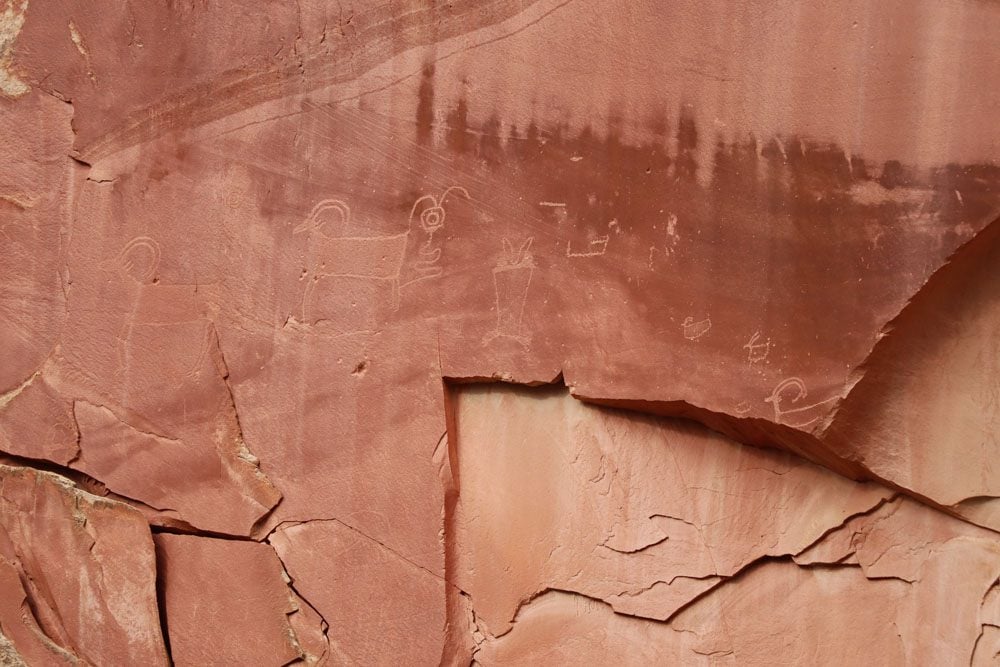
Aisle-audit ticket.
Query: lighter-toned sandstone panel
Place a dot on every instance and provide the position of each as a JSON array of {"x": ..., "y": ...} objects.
[
  {"x": 11, "y": 22},
  {"x": 772, "y": 615},
  {"x": 567, "y": 513},
  {"x": 644, "y": 513}
]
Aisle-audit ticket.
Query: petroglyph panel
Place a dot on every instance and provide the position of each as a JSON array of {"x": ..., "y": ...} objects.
[{"x": 251, "y": 256}]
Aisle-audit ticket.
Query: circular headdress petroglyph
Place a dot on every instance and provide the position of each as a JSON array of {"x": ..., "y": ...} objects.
[
  {"x": 432, "y": 217},
  {"x": 325, "y": 217},
  {"x": 139, "y": 259}
]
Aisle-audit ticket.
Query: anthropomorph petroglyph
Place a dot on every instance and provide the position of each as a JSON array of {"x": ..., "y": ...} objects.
[
  {"x": 695, "y": 330},
  {"x": 670, "y": 241},
  {"x": 757, "y": 349},
  {"x": 672, "y": 237},
  {"x": 431, "y": 218},
  {"x": 159, "y": 313},
  {"x": 511, "y": 280},
  {"x": 790, "y": 407}
]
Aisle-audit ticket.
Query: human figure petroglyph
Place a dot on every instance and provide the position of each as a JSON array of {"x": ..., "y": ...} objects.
[
  {"x": 671, "y": 239},
  {"x": 757, "y": 351},
  {"x": 160, "y": 312},
  {"x": 695, "y": 330},
  {"x": 788, "y": 398},
  {"x": 431, "y": 219},
  {"x": 511, "y": 280}
]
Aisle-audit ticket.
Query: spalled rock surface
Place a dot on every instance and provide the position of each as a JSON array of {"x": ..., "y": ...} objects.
[
  {"x": 226, "y": 602},
  {"x": 840, "y": 606},
  {"x": 248, "y": 250},
  {"x": 646, "y": 514},
  {"x": 870, "y": 614},
  {"x": 77, "y": 573},
  {"x": 562, "y": 505}
]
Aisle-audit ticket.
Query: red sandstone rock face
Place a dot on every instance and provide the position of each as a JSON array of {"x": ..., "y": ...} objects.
[
  {"x": 78, "y": 575},
  {"x": 249, "y": 252},
  {"x": 225, "y": 602}
]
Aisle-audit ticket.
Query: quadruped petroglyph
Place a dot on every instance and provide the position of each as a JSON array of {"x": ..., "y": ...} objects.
[
  {"x": 159, "y": 314},
  {"x": 341, "y": 261},
  {"x": 338, "y": 258}
]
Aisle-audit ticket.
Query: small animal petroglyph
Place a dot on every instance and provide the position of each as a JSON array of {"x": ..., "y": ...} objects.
[
  {"x": 790, "y": 409},
  {"x": 695, "y": 330},
  {"x": 511, "y": 280},
  {"x": 757, "y": 351},
  {"x": 595, "y": 248}
]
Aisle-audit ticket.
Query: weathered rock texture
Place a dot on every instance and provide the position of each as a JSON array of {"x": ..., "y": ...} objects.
[
  {"x": 254, "y": 257},
  {"x": 78, "y": 575}
]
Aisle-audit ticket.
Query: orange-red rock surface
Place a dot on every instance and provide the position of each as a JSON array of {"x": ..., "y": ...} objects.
[{"x": 279, "y": 283}]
